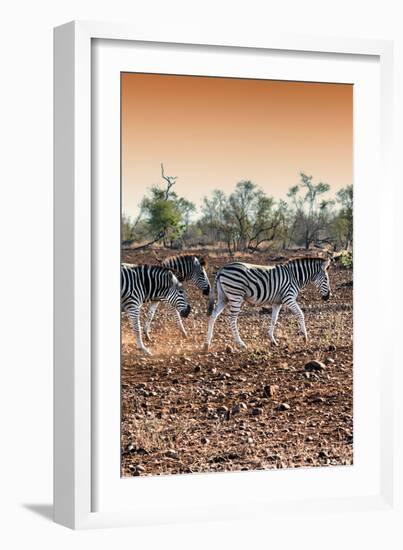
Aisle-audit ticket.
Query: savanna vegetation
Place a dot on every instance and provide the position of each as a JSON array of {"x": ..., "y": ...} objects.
[{"x": 248, "y": 219}]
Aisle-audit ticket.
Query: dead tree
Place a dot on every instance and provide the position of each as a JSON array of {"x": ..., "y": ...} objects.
[{"x": 171, "y": 180}]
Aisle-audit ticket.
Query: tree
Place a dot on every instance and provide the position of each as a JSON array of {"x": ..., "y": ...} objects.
[
  {"x": 213, "y": 216},
  {"x": 244, "y": 220},
  {"x": 344, "y": 220},
  {"x": 311, "y": 218},
  {"x": 166, "y": 214}
]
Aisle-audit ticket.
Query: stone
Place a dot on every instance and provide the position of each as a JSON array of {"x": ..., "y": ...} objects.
[
  {"x": 270, "y": 390},
  {"x": 284, "y": 407},
  {"x": 130, "y": 448},
  {"x": 314, "y": 365},
  {"x": 171, "y": 453}
]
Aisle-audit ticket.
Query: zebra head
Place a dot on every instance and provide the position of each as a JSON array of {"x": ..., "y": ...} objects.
[
  {"x": 177, "y": 297},
  {"x": 199, "y": 275},
  {"x": 321, "y": 279}
]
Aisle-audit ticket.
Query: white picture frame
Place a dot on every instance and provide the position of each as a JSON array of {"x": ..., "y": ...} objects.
[{"x": 87, "y": 491}]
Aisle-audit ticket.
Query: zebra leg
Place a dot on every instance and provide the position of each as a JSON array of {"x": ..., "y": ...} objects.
[
  {"x": 294, "y": 307},
  {"x": 150, "y": 316},
  {"x": 219, "y": 308},
  {"x": 234, "y": 312},
  {"x": 274, "y": 316},
  {"x": 134, "y": 315},
  {"x": 180, "y": 324}
]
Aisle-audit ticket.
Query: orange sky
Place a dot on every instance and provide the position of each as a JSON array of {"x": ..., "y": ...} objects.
[{"x": 214, "y": 132}]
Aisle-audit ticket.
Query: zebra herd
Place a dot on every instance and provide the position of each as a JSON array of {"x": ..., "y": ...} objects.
[{"x": 235, "y": 283}]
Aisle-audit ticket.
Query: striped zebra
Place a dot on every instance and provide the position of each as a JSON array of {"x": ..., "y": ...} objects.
[
  {"x": 256, "y": 284},
  {"x": 186, "y": 268},
  {"x": 149, "y": 283}
]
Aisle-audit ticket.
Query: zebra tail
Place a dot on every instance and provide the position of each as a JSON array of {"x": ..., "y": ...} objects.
[{"x": 211, "y": 300}]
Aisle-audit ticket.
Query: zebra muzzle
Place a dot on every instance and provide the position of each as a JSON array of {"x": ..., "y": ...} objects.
[
  {"x": 326, "y": 296},
  {"x": 185, "y": 312}
]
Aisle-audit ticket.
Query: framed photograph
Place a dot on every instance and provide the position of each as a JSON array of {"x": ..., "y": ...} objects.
[{"x": 219, "y": 228}]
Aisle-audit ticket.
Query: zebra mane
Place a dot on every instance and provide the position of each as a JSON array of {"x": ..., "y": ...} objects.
[
  {"x": 201, "y": 259},
  {"x": 306, "y": 259},
  {"x": 161, "y": 268}
]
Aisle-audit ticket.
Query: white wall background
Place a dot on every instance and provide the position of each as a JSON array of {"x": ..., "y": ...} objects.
[{"x": 26, "y": 257}]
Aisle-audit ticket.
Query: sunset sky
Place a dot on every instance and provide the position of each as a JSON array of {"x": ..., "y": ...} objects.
[{"x": 214, "y": 132}]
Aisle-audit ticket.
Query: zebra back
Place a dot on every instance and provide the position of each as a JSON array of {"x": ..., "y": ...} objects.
[{"x": 146, "y": 282}]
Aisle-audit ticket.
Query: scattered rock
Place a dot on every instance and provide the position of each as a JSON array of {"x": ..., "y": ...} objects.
[
  {"x": 318, "y": 399},
  {"x": 283, "y": 407},
  {"x": 329, "y": 361},
  {"x": 229, "y": 349},
  {"x": 236, "y": 409},
  {"x": 264, "y": 310},
  {"x": 270, "y": 390},
  {"x": 313, "y": 365},
  {"x": 233, "y": 455},
  {"x": 331, "y": 347},
  {"x": 197, "y": 368},
  {"x": 256, "y": 411},
  {"x": 171, "y": 453},
  {"x": 205, "y": 440}
]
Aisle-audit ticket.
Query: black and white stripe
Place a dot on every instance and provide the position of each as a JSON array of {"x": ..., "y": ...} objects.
[
  {"x": 186, "y": 268},
  {"x": 278, "y": 285},
  {"x": 149, "y": 283}
]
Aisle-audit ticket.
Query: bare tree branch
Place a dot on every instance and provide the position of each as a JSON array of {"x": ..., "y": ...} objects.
[
  {"x": 171, "y": 180},
  {"x": 146, "y": 245}
]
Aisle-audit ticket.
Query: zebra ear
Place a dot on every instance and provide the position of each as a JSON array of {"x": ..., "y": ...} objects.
[
  {"x": 203, "y": 261},
  {"x": 172, "y": 276}
]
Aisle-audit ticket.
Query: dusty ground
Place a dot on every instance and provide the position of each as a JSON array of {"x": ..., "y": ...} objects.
[{"x": 184, "y": 410}]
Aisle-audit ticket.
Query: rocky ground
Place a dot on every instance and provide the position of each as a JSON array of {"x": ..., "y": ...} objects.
[{"x": 185, "y": 410}]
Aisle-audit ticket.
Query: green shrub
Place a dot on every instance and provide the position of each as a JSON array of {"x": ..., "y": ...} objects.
[{"x": 346, "y": 260}]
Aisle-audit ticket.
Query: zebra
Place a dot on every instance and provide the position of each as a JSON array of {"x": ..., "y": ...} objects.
[
  {"x": 278, "y": 285},
  {"x": 187, "y": 268},
  {"x": 145, "y": 283}
]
